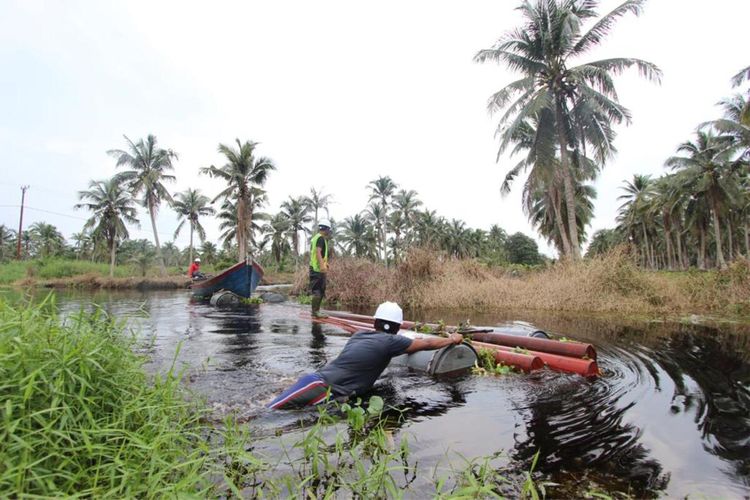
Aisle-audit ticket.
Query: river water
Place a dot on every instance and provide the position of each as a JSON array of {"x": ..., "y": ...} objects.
[{"x": 670, "y": 415}]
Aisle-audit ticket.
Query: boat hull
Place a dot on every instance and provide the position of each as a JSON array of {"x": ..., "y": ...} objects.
[{"x": 242, "y": 279}]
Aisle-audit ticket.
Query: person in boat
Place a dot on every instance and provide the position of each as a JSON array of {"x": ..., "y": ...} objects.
[
  {"x": 194, "y": 271},
  {"x": 319, "y": 265},
  {"x": 359, "y": 365}
]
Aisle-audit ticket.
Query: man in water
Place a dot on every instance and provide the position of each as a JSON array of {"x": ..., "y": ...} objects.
[
  {"x": 359, "y": 365},
  {"x": 319, "y": 265}
]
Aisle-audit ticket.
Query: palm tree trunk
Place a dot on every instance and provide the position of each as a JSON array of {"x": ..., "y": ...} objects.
[
  {"x": 249, "y": 228},
  {"x": 385, "y": 237},
  {"x": 678, "y": 242},
  {"x": 570, "y": 202},
  {"x": 163, "y": 270},
  {"x": 702, "y": 252},
  {"x": 721, "y": 264},
  {"x": 730, "y": 240},
  {"x": 668, "y": 241},
  {"x": 112, "y": 258},
  {"x": 190, "y": 253},
  {"x": 747, "y": 240},
  {"x": 649, "y": 259},
  {"x": 561, "y": 224},
  {"x": 241, "y": 227}
]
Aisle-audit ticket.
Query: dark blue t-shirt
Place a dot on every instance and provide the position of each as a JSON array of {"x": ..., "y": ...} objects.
[{"x": 363, "y": 359}]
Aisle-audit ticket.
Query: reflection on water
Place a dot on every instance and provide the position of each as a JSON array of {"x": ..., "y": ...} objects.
[{"x": 669, "y": 414}]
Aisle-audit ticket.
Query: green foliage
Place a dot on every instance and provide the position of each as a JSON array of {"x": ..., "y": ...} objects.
[
  {"x": 304, "y": 299},
  {"x": 251, "y": 300},
  {"x": 81, "y": 417},
  {"x": 360, "y": 460},
  {"x": 13, "y": 271},
  {"x": 603, "y": 241},
  {"x": 486, "y": 364},
  {"x": 522, "y": 250},
  {"x": 479, "y": 480}
]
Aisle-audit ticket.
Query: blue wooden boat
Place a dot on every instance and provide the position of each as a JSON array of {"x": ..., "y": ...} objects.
[{"x": 242, "y": 279}]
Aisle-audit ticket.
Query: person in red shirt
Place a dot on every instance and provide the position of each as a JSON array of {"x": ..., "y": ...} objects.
[{"x": 194, "y": 271}]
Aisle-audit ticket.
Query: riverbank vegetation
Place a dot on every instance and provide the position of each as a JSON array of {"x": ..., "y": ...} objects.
[
  {"x": 609, "y": 283},
  {"x": 81, "y": 417}
]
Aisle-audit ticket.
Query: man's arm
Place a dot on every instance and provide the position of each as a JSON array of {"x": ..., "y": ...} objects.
[{"x": 429, "y": 344}]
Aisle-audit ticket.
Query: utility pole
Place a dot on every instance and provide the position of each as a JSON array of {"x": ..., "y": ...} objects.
[{"x": 20, "y": 223}]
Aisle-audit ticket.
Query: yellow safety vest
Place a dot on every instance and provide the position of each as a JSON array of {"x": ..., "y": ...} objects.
[{"x": 314, "y": 264}]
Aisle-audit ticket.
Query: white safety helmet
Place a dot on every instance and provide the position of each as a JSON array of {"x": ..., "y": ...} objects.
[
  {"x": 324, "y": 223},
  {"x": 197, "y": 259},
  {"x": 390, "y": 311}
]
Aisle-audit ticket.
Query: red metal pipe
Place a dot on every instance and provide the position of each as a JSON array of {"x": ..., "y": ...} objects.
[
  {"x": 527, "y": 362},
  {"x": 343, "y": 326},
  {"x": 585, "y": 367},
  {"x": 571, "y": 349},
  {"x": 574, "y": 349},
  {"x": 357, "y": 324},
  {"x": 518, "y": 360}
]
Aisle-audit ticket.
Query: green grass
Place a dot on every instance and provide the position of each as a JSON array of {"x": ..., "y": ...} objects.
[
  {"x": 13, "y": 271},
  {"x": 80, "y": 416}
]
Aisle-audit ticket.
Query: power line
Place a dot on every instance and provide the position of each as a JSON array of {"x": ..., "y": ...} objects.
[{"x": 26, "y": 207}]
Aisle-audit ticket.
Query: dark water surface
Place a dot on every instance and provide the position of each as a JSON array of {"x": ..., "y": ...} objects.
[{"x": 670, "y": 415}]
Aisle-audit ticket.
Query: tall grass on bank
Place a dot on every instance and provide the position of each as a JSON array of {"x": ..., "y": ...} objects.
[
  {"x": 60, "y": 273},
  {"x": 80, "y": 416},
  {"x": 44, "y": 269},
  {"x": 612, "y": 283}
]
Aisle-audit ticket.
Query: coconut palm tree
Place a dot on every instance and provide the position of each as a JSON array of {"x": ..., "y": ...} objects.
[
  {"x": 545, "y": 213},
  {"x": 381, "y": 190},
  {"x": 407, "y": 206},
  {"x": 82, "y": 244},
  {"x": 47, "y": 239},
  {"x": 357, "y": 237},
  {"x": 543, "y": 190},
  {"x": 190, "y": 205},
  {"x": 228, "y": 217},
  {"x": 112, "y": 207},
  {"x": 172, "y": 254},
  {"x": 634, "y": 213},
  {"x": 576, "y": 105},
  {"x": 208, "y": 252},
  {"x": 142, "y": 254},
  {"x": 455, "y": 239},
  {"x": 277, "y": 232},
  {"x": 148, "y": 165},
  {"x": 318, "y": 201},
  {"x": 428, "y": 228},
  {"x": 736, "y": 121},
  {"x": 296, "y": 212},
  {"x": 603, "y": 241},
  {"x": 7, "y": 238},
  {"x": 242, "y": 172},
  {"x": 707, "y": 171}
]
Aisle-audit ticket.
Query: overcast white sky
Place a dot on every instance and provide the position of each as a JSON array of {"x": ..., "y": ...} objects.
[{"x": 337, "y": 93}]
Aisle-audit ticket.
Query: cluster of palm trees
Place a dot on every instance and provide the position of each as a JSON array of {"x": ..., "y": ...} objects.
[
  {"x": 699, "y": 213},
  {"x": 560, "y": 115},
  {"x": 41, "y": 240},
  {"x": 148, "y": 167},
  {"x": 391, "y": 222}
]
